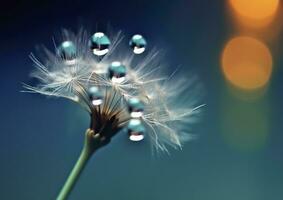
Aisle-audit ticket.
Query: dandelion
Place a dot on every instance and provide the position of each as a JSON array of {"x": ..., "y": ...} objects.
[{"x": 122, "y": 93}]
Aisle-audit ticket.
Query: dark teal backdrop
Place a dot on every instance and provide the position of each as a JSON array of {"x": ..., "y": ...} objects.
[{"x": 41, "y": 137}]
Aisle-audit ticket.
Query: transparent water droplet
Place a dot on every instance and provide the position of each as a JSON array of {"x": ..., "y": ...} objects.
[
  {"x": 117, "y": 72},
  {"x": 95, "y": 96},
  {"x": 136, "y": 107},
  {"x": 136, "y": 130},
  {"x": 99, "y": 44},
  {"x": 67, "y": 51},
  {"x": 138, "y": 44}
]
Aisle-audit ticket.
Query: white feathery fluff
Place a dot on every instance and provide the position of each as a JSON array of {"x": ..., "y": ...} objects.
[{"x": 171, "y": 102}]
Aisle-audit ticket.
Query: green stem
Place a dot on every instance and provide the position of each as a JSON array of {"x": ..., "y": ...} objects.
[{"x": 90, "y": 146}]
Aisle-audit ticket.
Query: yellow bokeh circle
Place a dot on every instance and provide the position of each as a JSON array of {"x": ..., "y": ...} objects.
[
  {"x": 255, "y": 13},
  {"x": 255, "y": 9},
  {"x": 246, "y": 63}
]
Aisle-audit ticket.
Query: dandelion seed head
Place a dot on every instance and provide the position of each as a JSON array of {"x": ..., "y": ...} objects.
[{"x": 118, "y": 90}]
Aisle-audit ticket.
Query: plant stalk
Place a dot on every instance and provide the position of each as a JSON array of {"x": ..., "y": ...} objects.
[{"x": 90, "y": 145}]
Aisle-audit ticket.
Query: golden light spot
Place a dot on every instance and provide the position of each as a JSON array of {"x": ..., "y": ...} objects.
[
  {"x": 255, "y": 12},
  {"x": 247, "y": 63}
]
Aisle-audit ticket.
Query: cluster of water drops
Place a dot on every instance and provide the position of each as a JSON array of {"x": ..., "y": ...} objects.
[{"x": 99, "y": 45}]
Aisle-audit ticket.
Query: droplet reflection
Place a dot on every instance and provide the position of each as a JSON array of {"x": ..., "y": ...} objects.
[
  {"x": 95, "y": 96},
  {"x": 67, "y": 51},
  {"x": 136, "y": 107},
  {"x": 136, "y": 130},
  {"x": 99, "y": 44},
  {"x": 138, "y": 44},
  {"x": 117, "y": 72}
]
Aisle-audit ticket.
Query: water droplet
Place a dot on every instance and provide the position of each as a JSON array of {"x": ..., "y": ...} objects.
[
  {"x": 136, "y": 130},
  {"x": 117, "y": 72},
  {"x": 67, "y": 51},
  {"x": 138, "y": 44},
  {"x": 136, "y": 107},
  {"x": 95, "y": 96},
  {"x": 99, "y": 44}
]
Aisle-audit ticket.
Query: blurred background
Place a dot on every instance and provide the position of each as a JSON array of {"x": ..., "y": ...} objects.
[{"x": 233, "y": 46}]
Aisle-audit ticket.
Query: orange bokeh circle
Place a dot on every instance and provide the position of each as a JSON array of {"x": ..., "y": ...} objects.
[
  {"x": 255, "y": 9},
  {"x": 246, "y": 63},
  {"x": 255, "y": 13}
]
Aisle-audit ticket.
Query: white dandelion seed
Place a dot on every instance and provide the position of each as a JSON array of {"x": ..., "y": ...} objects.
[{"x": 118, "y": 90}]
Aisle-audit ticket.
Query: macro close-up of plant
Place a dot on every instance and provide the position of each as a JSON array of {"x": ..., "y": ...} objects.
[
  {"x": 141, "y": 100},
  {"x": 123, "y": 90}
]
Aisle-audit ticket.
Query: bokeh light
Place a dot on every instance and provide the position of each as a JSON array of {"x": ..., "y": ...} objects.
[
  {"x": 246, "y": 63},
  {"x": 255, "y": 12}
]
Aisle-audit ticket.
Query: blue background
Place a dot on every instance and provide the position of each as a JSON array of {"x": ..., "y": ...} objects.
[{"x": 41, "y": 138}]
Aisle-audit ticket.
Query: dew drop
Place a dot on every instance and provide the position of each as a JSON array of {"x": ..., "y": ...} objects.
[
  {"x": 117, "y": 72},
  {"x": 67, "y": 51},
  {"x": 136, "y": 107},
  {"x": 138, "y": 44},
  {"x": 95, "y": 96},
  {"x": 99, "y": 44},
  {"x": 136, "y": 130}
]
